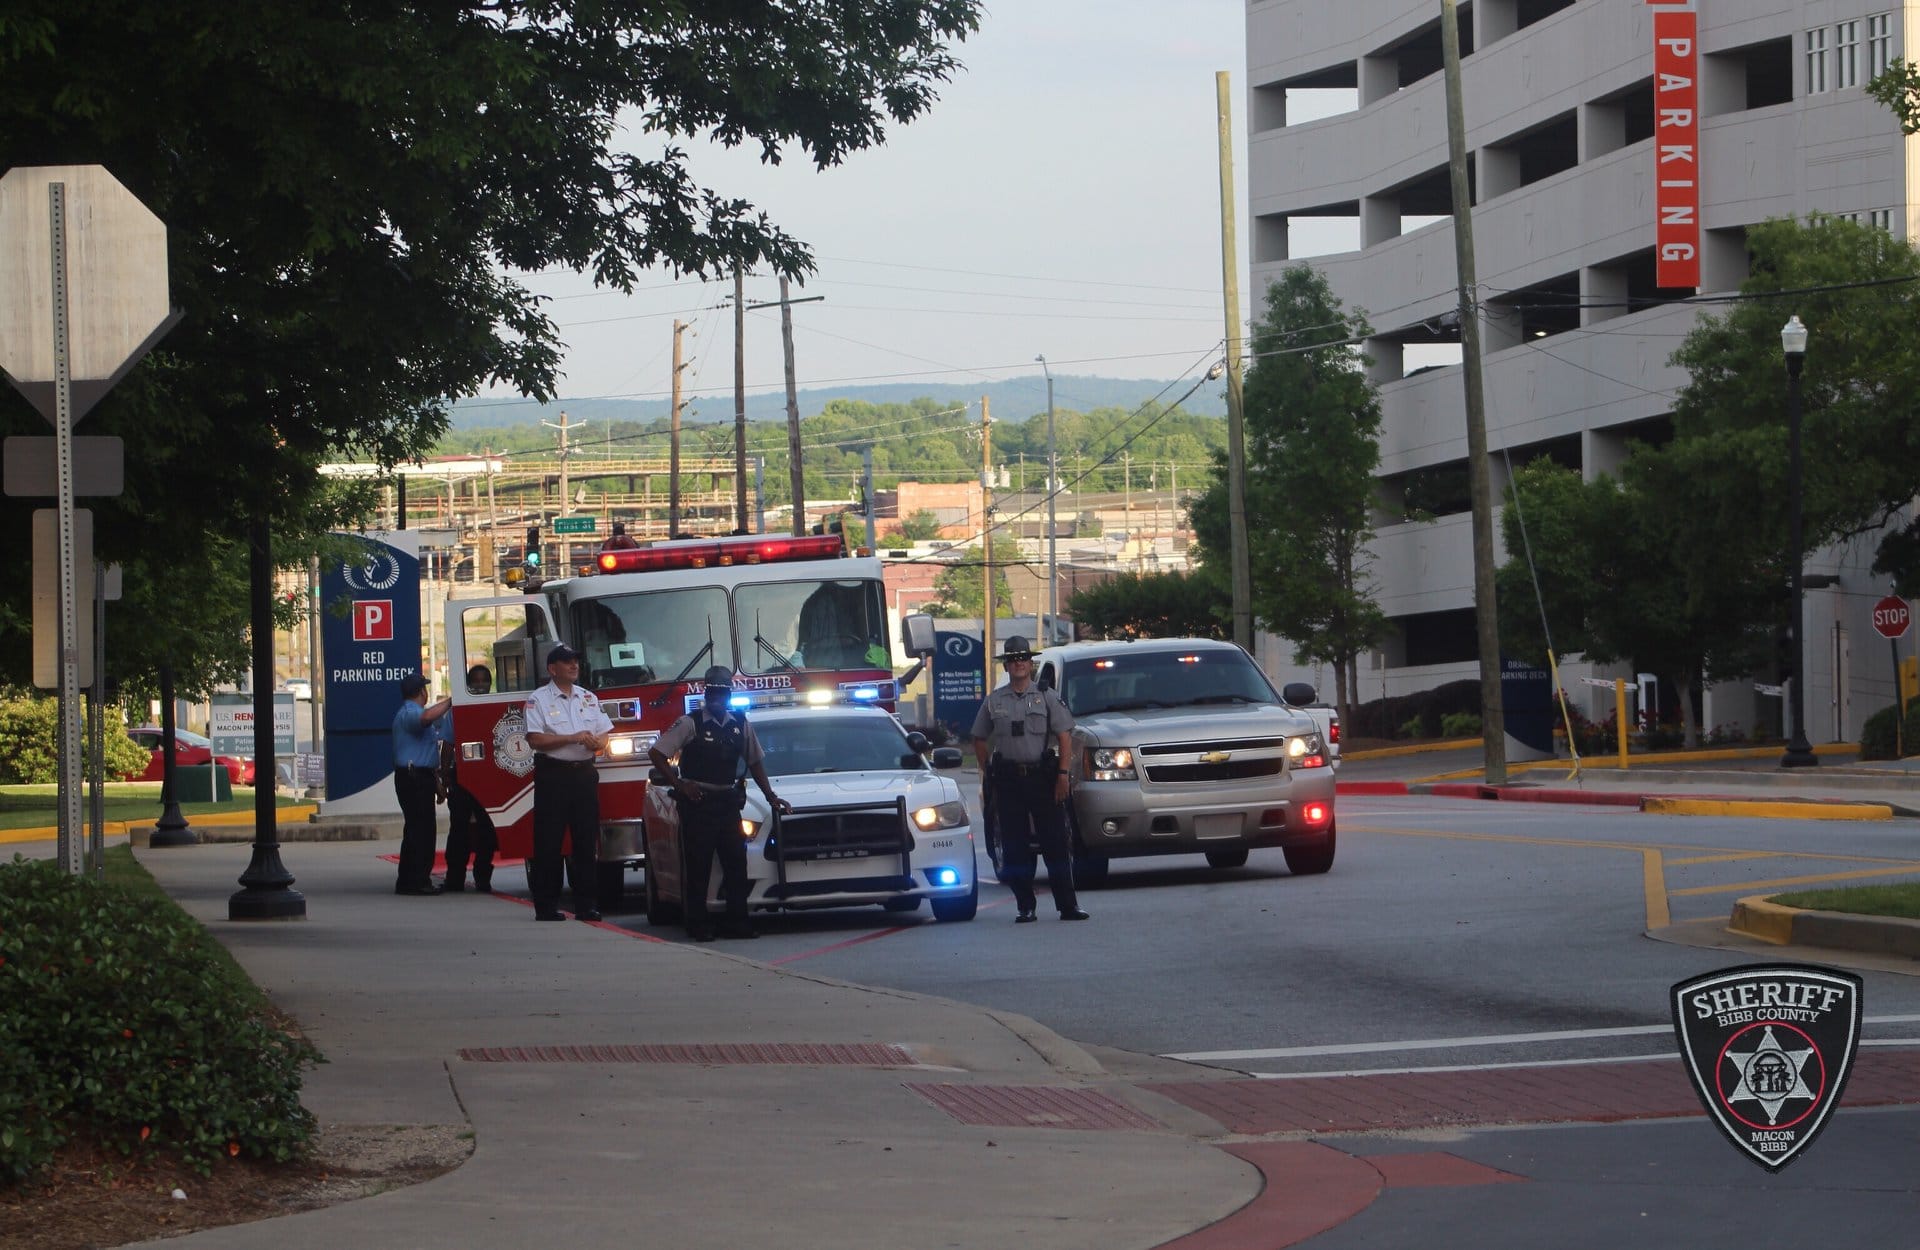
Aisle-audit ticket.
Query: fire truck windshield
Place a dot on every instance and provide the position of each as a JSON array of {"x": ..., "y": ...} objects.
[
  {"x": 652, "y": 636},
  {"x": 814, "y": 624}
]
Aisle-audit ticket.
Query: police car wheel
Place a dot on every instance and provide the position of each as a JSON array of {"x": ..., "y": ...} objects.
[
  {"x": 660, "y": 913},
  {"x": 949, "y": 910},
  {"x": 1310, "y": 861},
  {"x": 1228, "y": 857}
]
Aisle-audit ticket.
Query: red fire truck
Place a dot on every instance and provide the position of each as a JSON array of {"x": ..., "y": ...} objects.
[{"x": 797, "y": 619}]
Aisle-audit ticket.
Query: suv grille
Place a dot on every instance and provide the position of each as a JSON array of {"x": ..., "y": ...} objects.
[
  {"x": 1231, "y": 770},
  {"x": 1235, "y": 744}
]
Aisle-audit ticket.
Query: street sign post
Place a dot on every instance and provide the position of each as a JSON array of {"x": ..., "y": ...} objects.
[
  {"x": 576, "y": 525},
  {"x": 83, "y": 296}
]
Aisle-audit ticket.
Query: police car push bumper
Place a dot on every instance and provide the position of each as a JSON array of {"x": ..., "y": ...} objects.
[{"x": 857, "y": 840}]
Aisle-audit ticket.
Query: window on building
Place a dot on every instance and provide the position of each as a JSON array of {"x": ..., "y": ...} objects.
[
  {"x": 1879, "y": 44},
  {"x": 1846, "y": 55},
  {"x": 1883, "y": 218},
  {"x": 1531, "y": 11},
  {"x": 1817, "y": 61}
]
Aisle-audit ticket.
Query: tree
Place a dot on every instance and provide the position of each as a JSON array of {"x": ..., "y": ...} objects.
[
  {"x": 921, "y": 526},
  {"x": 1152, "y": 605},
  {"x": 347, "y": 209},
  {"x": 1312, "y": 425},
  {"x": 961, "y": 585}
]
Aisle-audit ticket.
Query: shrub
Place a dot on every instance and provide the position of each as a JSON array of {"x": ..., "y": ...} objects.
[
  {"x": 1415, "y": 728},
  {"x": 30, "y": 741},
  {"x": 1877, "y": 738},
  {"x": 1460, "y": 725},
  {"x": 1415, "y": 715},
  {"x": 115, "y": 1021}
]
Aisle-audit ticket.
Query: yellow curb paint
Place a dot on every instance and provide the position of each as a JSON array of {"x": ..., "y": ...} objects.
[
  {"x": 1755, "y": 917},
  {"x": 1777, "y": 811},
  {"x": 47, "y": 833},
  {"x": 1654, "y": 879},
  {"x": 1726, "y": 859},
  {"x": 1419, "y": 748},
  {"x": 1611, "y": 763},
  {"x": 1782, "y": 882}
]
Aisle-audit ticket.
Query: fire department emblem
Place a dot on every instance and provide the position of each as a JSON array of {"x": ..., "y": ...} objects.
[
  {"x": 1769, "y": 1048},
  {"x": 510, "y": 750}
]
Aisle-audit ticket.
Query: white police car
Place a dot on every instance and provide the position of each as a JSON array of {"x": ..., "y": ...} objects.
[{"x": 872, "y": 823}]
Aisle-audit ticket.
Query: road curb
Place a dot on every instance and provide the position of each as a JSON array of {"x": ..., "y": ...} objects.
[
  {"x": 1370, "y": 788},
  {"x": 142, "y": 835},
  {"x": 1524, "y": 794},
  {"x": 1757, "y": 916},
  {"x": 1669, "y": 806}
]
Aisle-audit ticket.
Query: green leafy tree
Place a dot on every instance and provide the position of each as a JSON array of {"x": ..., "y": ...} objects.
[
  {"x": 1312, "y": 430},
  {"x": 961, "y": 585},
  {"x": 1152, "y": 605},
  {"x": 347, "y": 210},
  {"x": 921, "y": 526}
]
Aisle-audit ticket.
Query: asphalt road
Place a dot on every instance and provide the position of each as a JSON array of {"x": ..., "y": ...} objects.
[{"x": 1449, "y": 932}]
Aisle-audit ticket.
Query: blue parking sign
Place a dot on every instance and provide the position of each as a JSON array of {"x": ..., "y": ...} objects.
[{"x": 959, "y": 680}]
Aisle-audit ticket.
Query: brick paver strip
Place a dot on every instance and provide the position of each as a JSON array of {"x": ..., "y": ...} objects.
[
  {"x": 856, "y": 1054},
  {"x": 1309, "y": 1189},
  {"x": 1600, "y": 1092},
  {"x": 1032, "y": 1106},
  {"x": 1435, "y": 1168}
]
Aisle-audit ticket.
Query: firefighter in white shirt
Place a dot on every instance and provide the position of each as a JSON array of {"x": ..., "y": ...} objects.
[{"x": 566, "y": 729}]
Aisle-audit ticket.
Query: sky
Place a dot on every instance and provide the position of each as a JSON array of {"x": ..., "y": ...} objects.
[{"x": 1062, "y": 198}]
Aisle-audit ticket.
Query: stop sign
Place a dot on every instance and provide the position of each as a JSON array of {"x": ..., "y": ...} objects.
[
  {"x": 116, "y": 262},
  {"x": 1891, "y": 616}
]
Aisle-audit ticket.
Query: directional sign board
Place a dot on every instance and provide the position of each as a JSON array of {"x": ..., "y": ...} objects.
[
  {"x": 116, "y": 283},
  {"x": 1891, "y": 617},
  {"x": 576, "y": 525}
]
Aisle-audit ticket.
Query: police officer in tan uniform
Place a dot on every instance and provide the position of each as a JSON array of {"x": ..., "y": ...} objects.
[{"x": 1021, "y": 737}]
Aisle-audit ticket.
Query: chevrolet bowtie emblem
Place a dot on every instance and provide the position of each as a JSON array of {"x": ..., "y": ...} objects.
[{"x": 1216, "y": 757}]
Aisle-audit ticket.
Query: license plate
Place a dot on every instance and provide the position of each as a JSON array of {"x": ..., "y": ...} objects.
[{"x": 1222, "y": 826}]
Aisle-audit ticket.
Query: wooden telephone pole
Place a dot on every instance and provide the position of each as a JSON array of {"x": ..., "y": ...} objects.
[
  {"x": 986, "y": 534},
  {"x": 673, "y": 453}
]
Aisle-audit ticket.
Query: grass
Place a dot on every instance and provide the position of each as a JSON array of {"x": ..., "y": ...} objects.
[
  {"x": 1867, "y": 900},
  {"x": 122, "y": 869},
  {"x": 30, "y": 807}
]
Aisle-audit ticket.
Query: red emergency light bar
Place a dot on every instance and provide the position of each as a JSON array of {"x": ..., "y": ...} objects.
[{"x": 721, "y": 553}]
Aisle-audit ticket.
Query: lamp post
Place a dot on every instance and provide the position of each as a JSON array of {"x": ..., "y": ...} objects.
[
  {"x": 1053, "y": 581},
  {"x": 1799, "y": 754}
]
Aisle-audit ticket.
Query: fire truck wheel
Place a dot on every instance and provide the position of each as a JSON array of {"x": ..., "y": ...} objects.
[
  {"x": 660, "y": 913},
  {"x": 613, "y": 887},
  {"x": 909, "y": 903}
]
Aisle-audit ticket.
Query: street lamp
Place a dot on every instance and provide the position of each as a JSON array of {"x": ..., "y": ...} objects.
[
  {"x": 1053, "y": 580},
  {"x": 1793, "y": 341}
]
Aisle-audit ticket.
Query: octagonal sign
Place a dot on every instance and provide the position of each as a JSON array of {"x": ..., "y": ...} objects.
[{"x": 116, "y": 262}]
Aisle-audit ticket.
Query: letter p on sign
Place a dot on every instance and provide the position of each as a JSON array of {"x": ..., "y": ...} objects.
[{"x": 373, "y": 620}]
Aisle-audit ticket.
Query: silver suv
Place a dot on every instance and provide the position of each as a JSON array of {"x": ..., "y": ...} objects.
[{"x": 1182, "y": 746}]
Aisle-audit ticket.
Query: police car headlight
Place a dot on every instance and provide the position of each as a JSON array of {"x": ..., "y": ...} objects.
[
  {"x": 944, "y": 816},
  {"x": 1306, "y": 752},
  {"x": 748, "y": 828},
  {"x": 630, "y": 746},
  {"x": 1110, "y": 764}
]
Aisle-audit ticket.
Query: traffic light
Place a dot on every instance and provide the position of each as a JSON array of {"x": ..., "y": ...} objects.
[{"x": 533, "y": 547}]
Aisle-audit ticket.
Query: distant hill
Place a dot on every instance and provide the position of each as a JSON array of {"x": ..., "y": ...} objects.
[{"x": 1012, "y": 400}]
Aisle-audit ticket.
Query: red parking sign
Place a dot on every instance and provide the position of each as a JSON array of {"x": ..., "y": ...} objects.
[
  {"x": 373, "y": 620},
  {"x": 1891, "y": 616}
]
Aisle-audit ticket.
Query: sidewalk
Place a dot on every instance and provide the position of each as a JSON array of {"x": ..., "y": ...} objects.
[{"x": 716, "y": 1149}]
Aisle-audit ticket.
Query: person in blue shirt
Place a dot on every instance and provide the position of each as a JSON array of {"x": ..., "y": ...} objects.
[{"x": 418, "y": 729}]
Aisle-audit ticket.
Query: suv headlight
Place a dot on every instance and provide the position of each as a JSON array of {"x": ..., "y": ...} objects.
[
  {"x": 630, "y": 746},
  {"x": 1110, "y": 764},
  {"x": 1306, "y": 752},
  {"x": 943, "y": 816}
]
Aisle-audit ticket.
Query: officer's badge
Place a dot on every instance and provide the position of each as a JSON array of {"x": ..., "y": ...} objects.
[
  {"x": 511, "y": 752},
  {"x": 1769, "y": 1048}
]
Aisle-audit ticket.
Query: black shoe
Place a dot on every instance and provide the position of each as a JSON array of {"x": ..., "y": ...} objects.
[
  {"x": 591, "y": 913},
  {"x": 1075, "y": 914},
  {"x": 548, "y": 914},
  {"x": 1025, "y": 917},
  {"x": 454, "y": 887},
  {"x": 428, "y": 889},
  {"x": 483, "y": 885},
  {"x": 741, "y": 931}
]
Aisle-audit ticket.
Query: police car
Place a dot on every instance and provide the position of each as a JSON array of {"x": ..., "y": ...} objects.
[{"x": 872, "y": 822}]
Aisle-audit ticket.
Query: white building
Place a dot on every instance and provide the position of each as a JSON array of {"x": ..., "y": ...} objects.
[{"x": 1348, "y": 167}]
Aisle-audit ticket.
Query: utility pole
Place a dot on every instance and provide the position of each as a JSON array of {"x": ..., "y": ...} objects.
[
  {"x": 565, "y": 504},
  {"x": 739, "y": 401},
  {"x": 986, "y": 534},
  {"x": 1493, "y": 730},
  {"x": 493, "y": 522},
  {"x": 1126, "y": 507},
  {"x": 866, "y": 493},
  {"x": 1236, "y": 419},
  {"x": 1053, "y": 528},
  {"x": 796, "y": 471},
  {"x": 673, "y": 450}
]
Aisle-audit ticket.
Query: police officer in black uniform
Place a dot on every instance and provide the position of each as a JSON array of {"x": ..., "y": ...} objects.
[
  {"x": 1020, "y": 737},
  {"x": 715, "y": 745}
]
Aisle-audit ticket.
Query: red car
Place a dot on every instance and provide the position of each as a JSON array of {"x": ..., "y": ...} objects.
[{"x": 188, "y": 748}]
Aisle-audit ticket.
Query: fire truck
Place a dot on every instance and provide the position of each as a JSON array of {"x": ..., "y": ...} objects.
[{"x": 798, "y": 619}]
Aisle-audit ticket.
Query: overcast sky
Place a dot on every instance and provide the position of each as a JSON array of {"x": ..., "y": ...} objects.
[{"x": 1062, "y": 198}]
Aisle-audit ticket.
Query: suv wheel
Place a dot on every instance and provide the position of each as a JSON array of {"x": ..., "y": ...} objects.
[{"x": 1309, "y": 861}]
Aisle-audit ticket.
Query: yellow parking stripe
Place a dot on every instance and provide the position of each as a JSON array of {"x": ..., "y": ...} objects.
[
  {"x": 1726, "y": 859},
  {"x": 1760, "y": 887},
  {"x": 1653, "y": 878}
]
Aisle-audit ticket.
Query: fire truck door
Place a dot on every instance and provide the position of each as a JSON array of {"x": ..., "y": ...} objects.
[{"x": 497, "y": 649}]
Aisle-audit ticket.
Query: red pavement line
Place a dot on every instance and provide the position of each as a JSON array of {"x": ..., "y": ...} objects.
[
  {"x": 1526, "y": 794},
  {"x": 608, "y": 925},
  {"x": 1371, "y": 787},
  {"x": 1309, "y": 1188},
  {"x": 839, "y": 946}
]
